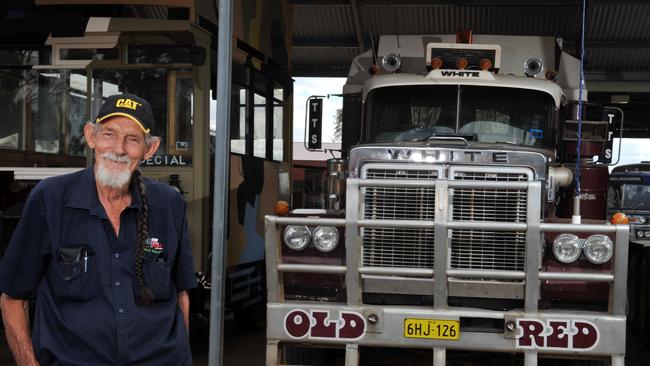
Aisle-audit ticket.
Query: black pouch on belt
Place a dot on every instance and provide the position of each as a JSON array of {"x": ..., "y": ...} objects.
[{"x": 70, "y": 258}]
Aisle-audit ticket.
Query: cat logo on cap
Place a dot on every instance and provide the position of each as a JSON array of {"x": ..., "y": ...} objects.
[{"x": 127, "y": 103}]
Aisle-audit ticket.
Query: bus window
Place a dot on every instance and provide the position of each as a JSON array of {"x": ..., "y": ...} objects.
[
  {"x": 43, "y": 111},
  {"x": 181, "y": 115},
  {"x": 259, "y": 126},
  {"x": 278, "y": 122},
  {"x": 258, "y": 113},
  {"x": 238, "y": 108},
  {"x": 11, "y": 109}
]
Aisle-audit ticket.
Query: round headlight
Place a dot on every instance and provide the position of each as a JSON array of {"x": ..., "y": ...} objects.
[
  {"x": 598, "y": 249},
  {"x": 296, "y": 237},
  {"x": 326, "y": 238},
  {"x": 566, "y": 248},
  {"x": 647, "y": 234}
]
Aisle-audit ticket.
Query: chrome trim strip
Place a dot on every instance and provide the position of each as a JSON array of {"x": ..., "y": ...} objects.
[
  {"x": 618, "y": 294},
  {"x": 309, "y": 221},
  {"x": 532, "y": 291},
  {"x": 311, "y": 268},
  {"x": 393, "y": 271},
  {"x": 402, "y": 224},
  {"x": 487, "y": 225},
  {"x": 576, "y": 276},
  {"x": 486, "y": 274}
]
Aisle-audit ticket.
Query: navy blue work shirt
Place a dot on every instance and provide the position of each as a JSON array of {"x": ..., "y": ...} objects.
[{"x": 85, "y": 304}]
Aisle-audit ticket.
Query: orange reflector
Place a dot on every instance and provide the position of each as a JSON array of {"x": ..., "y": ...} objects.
[
  {"x": 281, "y": 208},
  {"x": 461, "y": 63},
  {"x": 485, "y": 64},
  {"x": 619, "y": 218},
  {"x": 373, "y": 69},
  {"x": 436, "y": 63}
]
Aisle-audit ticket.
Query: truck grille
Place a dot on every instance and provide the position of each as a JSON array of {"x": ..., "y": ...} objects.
[
  {"x": 388, "y": 247},
  {"x": 481, "y": 249},
  {"x": 391, "y": 247},
  {"x": 399, "y": 203},
  {"x": 469, "y": 249}
]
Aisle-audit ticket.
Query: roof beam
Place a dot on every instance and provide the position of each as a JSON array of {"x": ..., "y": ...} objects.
[
  {"x": 568, "y": 43},
  {"x": 325, "y": 43},
  {"x": 481, "y": 3},
  {"x": 609, "y": 44},
  {"x": 319, "y": 71},
  {"x": 358, "y": 29}
]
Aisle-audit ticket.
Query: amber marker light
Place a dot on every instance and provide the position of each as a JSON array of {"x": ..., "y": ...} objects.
[
  {"x": 373, "y": 69},
  {"x": 281, "y": 208},
  {"x": 619, "y": 218},
  {"x": 436, "y": 63},
  {"x": 461, "y": 63},
  {"x": 485, "y": 64}
]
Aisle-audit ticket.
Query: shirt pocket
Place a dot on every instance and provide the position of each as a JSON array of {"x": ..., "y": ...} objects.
[
  {"x": 74, "y": 274},
  {"x": 156, "y": 268}
]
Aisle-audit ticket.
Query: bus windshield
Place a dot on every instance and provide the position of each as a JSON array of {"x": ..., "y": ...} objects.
[
  {"x": 631, "y": 196},
  {"x": 488, "y": 114}
]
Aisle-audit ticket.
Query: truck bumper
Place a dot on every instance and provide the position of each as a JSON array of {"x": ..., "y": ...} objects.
[{"x": 557, "y": 334}]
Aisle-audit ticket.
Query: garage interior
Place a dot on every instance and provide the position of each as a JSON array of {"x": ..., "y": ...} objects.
[{"x": 327, "y": 35}]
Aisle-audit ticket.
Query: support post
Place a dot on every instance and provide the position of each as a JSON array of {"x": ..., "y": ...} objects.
[{"x": 221, "y": 180}]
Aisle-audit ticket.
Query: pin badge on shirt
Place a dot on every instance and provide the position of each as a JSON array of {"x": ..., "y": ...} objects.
[{"x": 153, "y": 246}]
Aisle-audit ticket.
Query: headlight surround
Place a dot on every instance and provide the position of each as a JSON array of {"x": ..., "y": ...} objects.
[
  {"x": 296, "y": 237},
  {"x": 325, "y": 238},
  {"x": 598, "y": 249},
  {"x": 639, "y": 233},
  {"x": 636, "y": 219},
  {"x": 566, "y": 248}
]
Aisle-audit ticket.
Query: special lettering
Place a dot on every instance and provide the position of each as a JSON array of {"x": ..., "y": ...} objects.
[
  {"x": 576, "y": 335},
  {"x": 165, "y": 160},
  {"x": 300, "y": 324}
]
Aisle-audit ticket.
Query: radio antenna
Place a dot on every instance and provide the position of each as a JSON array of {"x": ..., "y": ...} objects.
[
  {"x": 395, "y": 22},
  {"x": 372, "y": 46}
]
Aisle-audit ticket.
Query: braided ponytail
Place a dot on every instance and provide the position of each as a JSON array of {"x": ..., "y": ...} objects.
[{"x": 144, "y": 296}]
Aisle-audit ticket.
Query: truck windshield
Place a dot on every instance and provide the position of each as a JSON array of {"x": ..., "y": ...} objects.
[
  {"x": 623, "y": 196},
  {"x": 490, "y": 114}
]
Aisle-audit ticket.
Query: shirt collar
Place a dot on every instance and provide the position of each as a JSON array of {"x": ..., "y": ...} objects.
[{"x": 85, "y": 194}]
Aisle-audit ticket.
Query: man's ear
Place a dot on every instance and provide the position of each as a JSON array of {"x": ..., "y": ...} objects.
[
  {"x": 89, "y": 134},
  {"x": 155, "y": 143}
]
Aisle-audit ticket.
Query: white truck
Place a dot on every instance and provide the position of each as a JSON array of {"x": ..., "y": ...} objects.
[{"x": 452, "y": 229}]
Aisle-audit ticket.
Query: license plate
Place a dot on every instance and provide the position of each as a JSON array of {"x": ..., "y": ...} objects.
[{"x": 432, "y": 329}]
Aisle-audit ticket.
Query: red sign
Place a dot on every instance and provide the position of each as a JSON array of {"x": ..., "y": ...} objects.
[
  {"x": 317, "y": 324},
  {"x": 575, "y": 335}
]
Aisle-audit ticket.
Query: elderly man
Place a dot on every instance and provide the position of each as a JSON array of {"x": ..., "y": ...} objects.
[{"x": 106, "y": 253}]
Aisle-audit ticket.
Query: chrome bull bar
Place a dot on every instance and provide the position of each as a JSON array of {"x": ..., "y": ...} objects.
[{"x": 391, "y": 318}]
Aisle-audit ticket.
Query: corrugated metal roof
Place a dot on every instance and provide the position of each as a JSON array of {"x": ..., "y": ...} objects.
[{"x": 617, "y": 36}]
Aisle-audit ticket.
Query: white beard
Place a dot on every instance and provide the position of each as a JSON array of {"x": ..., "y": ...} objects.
[{"x": 113, "y": 178}]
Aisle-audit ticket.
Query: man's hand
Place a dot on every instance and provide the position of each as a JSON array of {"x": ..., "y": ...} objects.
[
  {"x": 16, "y": 319},
  {"x": 184, "y": 304}
]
